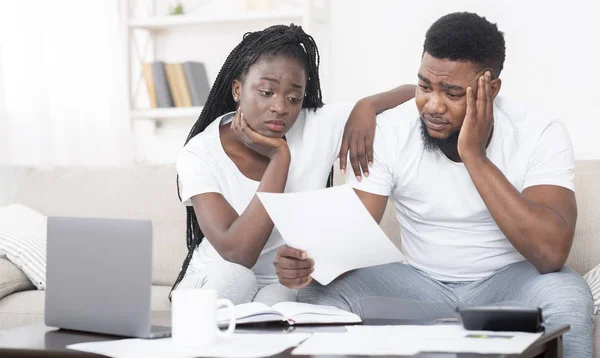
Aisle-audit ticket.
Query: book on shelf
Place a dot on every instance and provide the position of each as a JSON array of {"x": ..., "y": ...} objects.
[
  {"x": 161, "y": 85},
  {"x": 197, "y": 82},
  {"x": 292, "y": 313},
  {"x": 177, "y": 84},
  {"x": 183, "y": 86},
  {"x": 148, "y": 78}
]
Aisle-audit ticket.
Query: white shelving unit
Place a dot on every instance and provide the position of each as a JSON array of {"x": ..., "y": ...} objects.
[
  {"x": 165, "y": 113},
  {"x": 140, "y": 16},
  {"x": 168, "y": 22}
]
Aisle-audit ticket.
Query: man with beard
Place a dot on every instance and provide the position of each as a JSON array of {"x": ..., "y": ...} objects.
[{"x": 483, "y": 189}]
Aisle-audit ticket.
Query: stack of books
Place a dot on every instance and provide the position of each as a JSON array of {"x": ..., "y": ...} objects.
[{"x": 176, "y": 84}]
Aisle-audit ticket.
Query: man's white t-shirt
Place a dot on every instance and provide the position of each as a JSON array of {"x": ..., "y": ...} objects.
[
  {"x": 447, "y": 230},
  {"x": 204, "y": 167}
]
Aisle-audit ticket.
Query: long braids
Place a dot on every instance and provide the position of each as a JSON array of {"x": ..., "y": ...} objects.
[{"x": 290, "y": 41}]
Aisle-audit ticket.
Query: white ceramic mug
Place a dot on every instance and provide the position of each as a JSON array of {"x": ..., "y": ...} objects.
[{"x": 194, "y": 316}]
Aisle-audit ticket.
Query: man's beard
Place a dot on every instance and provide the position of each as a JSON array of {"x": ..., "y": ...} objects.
[{"x": 448, "y": 144}]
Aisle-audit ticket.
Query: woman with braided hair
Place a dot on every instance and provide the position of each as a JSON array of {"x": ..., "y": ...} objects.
[{"x": 264, "y": 128}]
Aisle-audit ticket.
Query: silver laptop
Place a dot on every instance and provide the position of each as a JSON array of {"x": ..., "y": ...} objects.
[{"x": 99, "y": 276}]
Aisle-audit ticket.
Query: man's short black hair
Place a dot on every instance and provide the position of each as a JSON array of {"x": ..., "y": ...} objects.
[{"x": 465, "y": 36}]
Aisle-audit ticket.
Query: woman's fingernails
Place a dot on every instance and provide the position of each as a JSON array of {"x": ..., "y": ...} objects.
[
  {"x": 303, "y": 256},
  {"x": 366, "y": 174},
  {"x": 359, "y": 178},
  {"x": 370, "y": 164},
  {"x": 343, "y": 171}
]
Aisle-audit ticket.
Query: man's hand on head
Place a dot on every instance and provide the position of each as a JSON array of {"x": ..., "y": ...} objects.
[
  {"x": 479, "y": 121},
  {"x": 293, "y": 267}
]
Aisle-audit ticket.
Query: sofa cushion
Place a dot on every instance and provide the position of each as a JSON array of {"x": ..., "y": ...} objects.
[
  {"x": 586, "y": 246},
  {"x": 593, "y": 280},
  {"x": 9, "y": 180},
  {"x": 22, "y": 308},
  {"x": 12, "y": 279},
  {"x": 23, "y": 240},
  {"x": 596, "y": 335},
  {"x": 27, "y": 307},
  {"x": 142, "y": 192}
]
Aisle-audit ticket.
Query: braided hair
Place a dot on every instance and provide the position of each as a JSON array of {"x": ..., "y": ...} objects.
[{"x": 279, "y": 40}]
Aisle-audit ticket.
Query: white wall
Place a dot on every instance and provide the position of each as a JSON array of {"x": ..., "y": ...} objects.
[
  {"x": 552, "y": 53},
  {"x": 553, "y": 49}
]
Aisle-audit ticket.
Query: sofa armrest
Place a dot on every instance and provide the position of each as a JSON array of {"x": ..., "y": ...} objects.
[{"x": 12, "y": 279}]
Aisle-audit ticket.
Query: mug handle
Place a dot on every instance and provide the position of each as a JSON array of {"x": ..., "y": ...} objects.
[{"x": 227, "y": 303}]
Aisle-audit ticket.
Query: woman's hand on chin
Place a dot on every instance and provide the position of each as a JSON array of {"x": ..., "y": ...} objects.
[{"x": 267, "y": 146}]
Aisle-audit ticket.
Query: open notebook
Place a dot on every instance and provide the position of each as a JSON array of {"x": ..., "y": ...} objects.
[{"x": 289, "y": 312}]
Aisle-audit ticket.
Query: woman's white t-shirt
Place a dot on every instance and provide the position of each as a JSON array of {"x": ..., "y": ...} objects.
[{"x": 204, "y": 167}]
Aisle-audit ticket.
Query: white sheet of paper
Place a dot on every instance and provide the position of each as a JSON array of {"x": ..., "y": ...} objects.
[
  {"x": 234, "y": 346},
  {"x": 452, "y": 338},
  {"x": 333, "y": 227},
  {"x": 357, "y": 344}
]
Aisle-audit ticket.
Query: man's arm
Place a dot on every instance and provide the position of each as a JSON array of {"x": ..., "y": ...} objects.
[
  {"x": 540, "y": 222},
  {"x": 374, "y": 203}
]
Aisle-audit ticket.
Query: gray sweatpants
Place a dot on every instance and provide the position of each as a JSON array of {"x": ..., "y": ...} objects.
[
  {"x": 237, "y": 283},
  {"x": 564, "y": 296}
]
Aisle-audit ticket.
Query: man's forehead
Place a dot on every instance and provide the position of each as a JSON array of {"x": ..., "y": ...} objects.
[{"x": 443, "y": 69}]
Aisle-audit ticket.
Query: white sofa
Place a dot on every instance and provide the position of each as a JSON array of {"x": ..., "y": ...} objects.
[{"x": 149, "y": 192}]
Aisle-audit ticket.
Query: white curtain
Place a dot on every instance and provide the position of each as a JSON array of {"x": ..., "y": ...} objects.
[{"x": 63, "y": 84}]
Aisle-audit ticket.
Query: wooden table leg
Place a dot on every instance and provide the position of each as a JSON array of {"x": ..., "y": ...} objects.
[{"x": 555, "y": 348}]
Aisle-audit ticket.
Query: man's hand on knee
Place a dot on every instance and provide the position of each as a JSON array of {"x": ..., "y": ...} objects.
[{"x": 293, "y": 267}]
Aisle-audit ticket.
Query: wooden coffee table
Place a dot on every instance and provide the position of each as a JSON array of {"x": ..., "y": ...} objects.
[{"x": 38, "y": 340}]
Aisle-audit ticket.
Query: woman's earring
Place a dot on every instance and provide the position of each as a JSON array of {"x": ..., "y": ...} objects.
[{"x": 236, "y": 99}]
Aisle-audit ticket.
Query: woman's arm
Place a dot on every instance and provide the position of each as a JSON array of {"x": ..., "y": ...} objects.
[
  {"x": 359, "y": 132},
  {"x": 383, "y": 101},
  {"x": 241, "y": 238}
]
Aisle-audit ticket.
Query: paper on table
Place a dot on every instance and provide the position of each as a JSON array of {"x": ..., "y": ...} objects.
[
  {"x": 333, "y": 227},
  {"x": 357, "y": 344},
  {"x": 234, "y": 346},
  {"x": 452, "y": 338}
]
